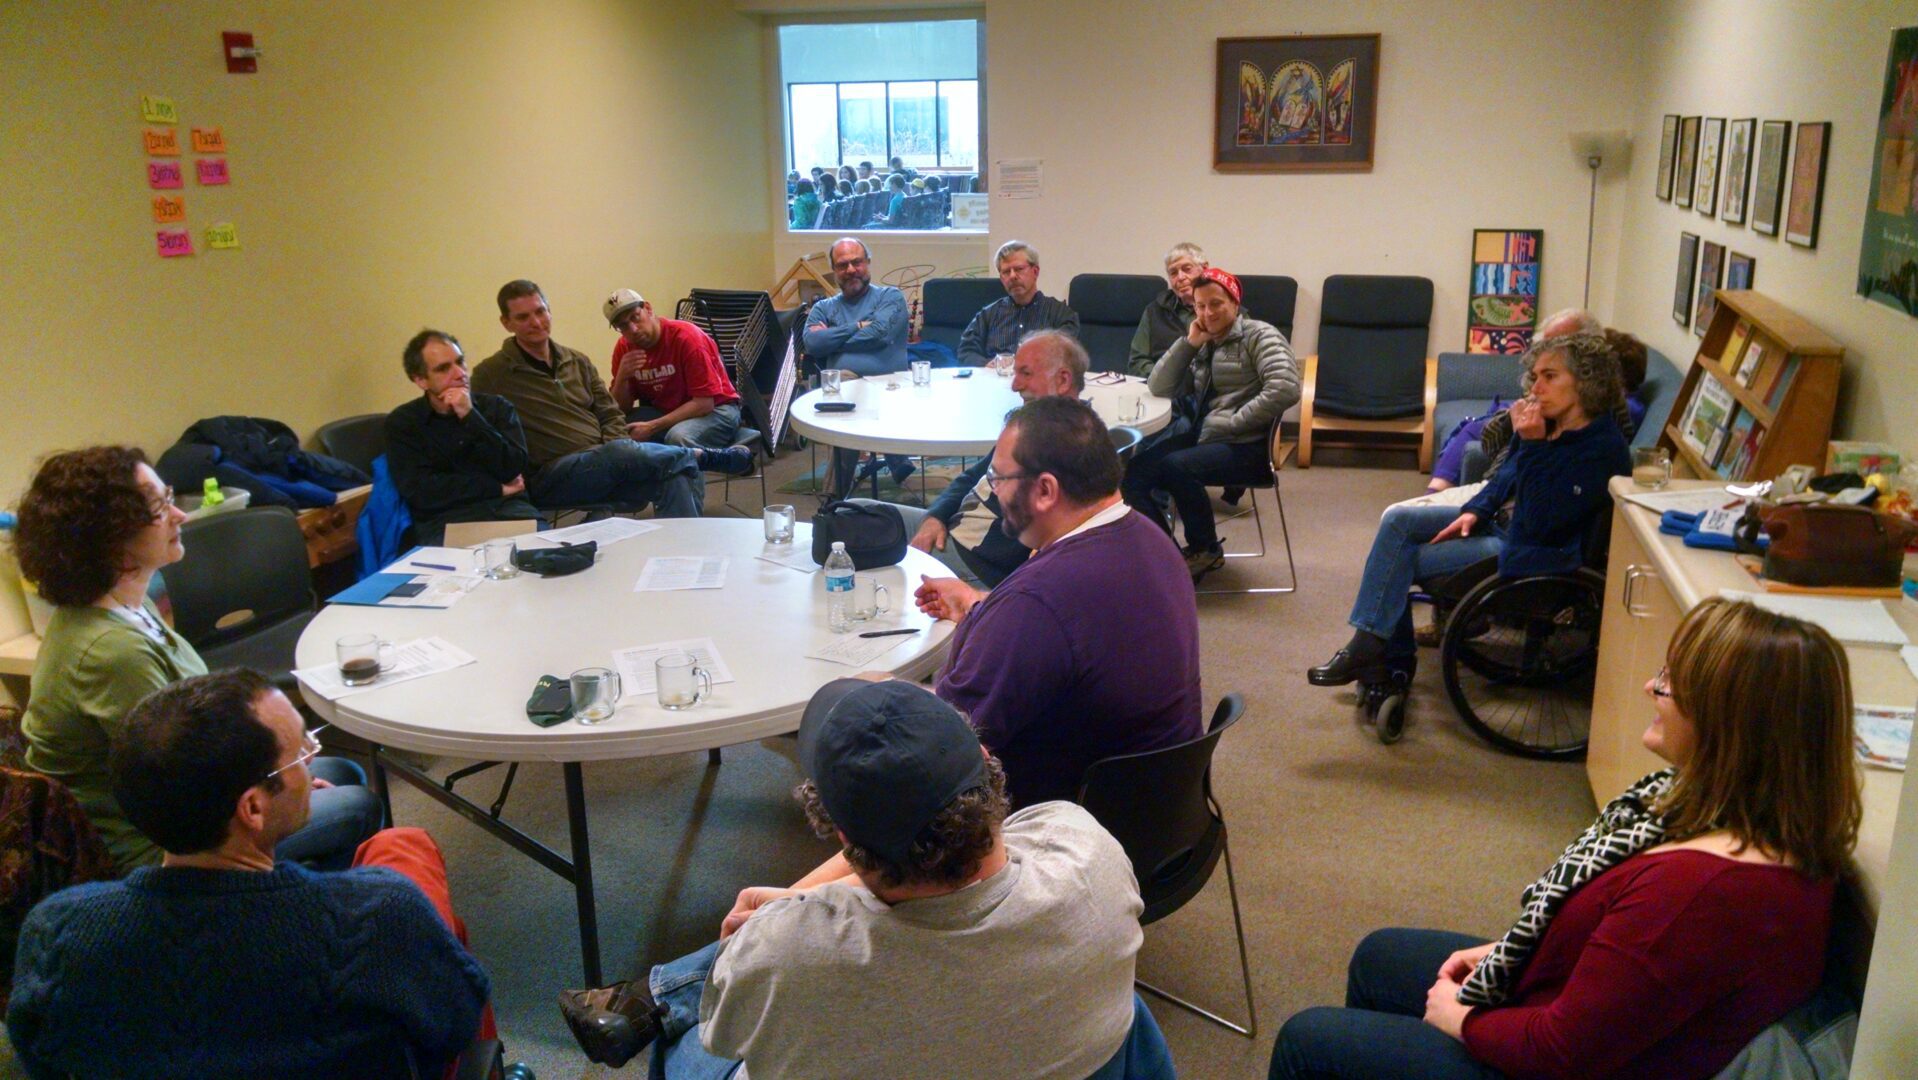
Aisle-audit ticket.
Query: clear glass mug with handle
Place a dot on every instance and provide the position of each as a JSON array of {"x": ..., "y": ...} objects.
[
  {"x": 866, "y": 598},
  {"x": 363, "y": 658},
  {"x": 679, "y": 681},
  {"x": 596, "y": 694}
]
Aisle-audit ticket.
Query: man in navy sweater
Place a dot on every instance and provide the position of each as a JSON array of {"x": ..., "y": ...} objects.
[{"x": 221, "y": 962}]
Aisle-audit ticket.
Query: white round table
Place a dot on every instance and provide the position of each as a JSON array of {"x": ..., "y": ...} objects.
[
  {"x": 762, "y": 622},
  {"x": 953, "y": 416}
]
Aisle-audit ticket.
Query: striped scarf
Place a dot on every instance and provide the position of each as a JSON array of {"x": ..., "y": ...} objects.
[{"x": 1624, "y": 828}]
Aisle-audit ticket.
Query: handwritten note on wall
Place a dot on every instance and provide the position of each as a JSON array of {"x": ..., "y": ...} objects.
[
  {"x": 168, "y": 210},
  {"x": 158, "y": 110},
  {"x": 161, "y": 142},
  {"x": 222, "y": 236},
  {"x": 211, "y": 171},
  {"x": 164, "y": 174},
  {"x": 168, "y": 175},
  {"x": 174, "y": 242},
  {"x": 208, "y": 141}
]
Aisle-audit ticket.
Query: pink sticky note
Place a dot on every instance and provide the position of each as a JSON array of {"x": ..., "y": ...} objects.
[
  {"x": 164, "y": 174},
  {"x": 174, "y": 242},
  {"x": 212, "y": 171}
]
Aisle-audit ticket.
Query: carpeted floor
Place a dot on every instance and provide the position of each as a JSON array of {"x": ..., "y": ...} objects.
[{"x": 1332, "y": 833}]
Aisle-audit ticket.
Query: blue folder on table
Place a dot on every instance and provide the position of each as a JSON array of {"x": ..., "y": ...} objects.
[{"x": 371, "y": 589}]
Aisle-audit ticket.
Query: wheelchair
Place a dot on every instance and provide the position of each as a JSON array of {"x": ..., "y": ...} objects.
[{"x": 1518, "y": 655}]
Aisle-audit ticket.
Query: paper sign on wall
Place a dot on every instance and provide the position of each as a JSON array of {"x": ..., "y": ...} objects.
[
  {"x": 164, "y": 174},
  {"x": 1019, "y": 178},
  {"x": 208, "y": 141},
  {"x": 167, "y": 210},
  {"x": 174, "y": 242},
  {"x": 212, "y": 171},
  {"x": 222, "y": 236},
  {"x": 161, "y": 142},
  {"x": 158, "y": 110}
]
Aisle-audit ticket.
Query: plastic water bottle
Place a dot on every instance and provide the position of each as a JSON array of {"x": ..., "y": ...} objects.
[{"x": 839, "y": 589}]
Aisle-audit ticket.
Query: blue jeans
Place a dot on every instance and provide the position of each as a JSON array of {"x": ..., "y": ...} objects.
[
  {"x": 717, "y": 430},
  {"x": 341, "y": 818},
  {"x": 1182, "y": 467},
  {"x": 624, "y": 472},
  {"x": 1381, "y": 1033},
  {"x": 1403, "y": 554}
]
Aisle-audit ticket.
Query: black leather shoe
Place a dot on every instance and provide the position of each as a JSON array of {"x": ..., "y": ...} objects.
[
  {"x": 1361, "y": 655},
  {"x": 612, "y": 1023}
]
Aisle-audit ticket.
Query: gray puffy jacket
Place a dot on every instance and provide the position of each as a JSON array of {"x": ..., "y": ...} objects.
[{"x": 1249, "y": 373}]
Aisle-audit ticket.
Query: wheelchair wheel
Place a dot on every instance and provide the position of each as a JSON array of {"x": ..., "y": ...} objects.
[
  {"x": 1519, "y": 657},
  {"x": 1391, "y": 719}
]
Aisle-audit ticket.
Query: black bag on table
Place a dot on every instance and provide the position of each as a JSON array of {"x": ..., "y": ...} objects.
[
  {"x": 556, "y": 562},
  {"x": 874, "y": 533}
]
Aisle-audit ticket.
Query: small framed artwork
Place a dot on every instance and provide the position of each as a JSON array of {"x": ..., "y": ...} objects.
[
  {"x": 1667, "y": 155},
  {"x": 1711, "y": 271},
  {"x": 1739, "y": 270},
  {"x": 1738, "y": 162},
  {"x": 1711, "y": 141},
  {"x": 1502, "y": 310},
  {"x": 1768, "y": 182},
  {"x": 1687, "y": 161},
  {"x": 1296, "y": 104},
  {"x": 1687, "y": 264},
  {"x": 1807, "y": 184}
]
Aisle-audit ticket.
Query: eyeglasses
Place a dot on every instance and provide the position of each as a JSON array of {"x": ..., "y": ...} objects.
[
  {"x": 1662, "y": 683},
  {"x": 1106, "y": 378},
  {"x": 849, "y": 265},
  {"x": 994, "y": 479},
  {"x": 166, "y": 503},
  {"x": 309, "y": 749}
]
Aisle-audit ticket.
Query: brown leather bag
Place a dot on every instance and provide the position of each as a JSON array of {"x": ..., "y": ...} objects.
[{"x": 1826, "y": 544}]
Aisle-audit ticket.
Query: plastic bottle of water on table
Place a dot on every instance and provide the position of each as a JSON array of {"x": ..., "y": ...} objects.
[{"x": 839, "y": 589}]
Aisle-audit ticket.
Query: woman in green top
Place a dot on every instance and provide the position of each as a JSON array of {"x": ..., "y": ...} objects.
[{"x": 94, "y": 527}]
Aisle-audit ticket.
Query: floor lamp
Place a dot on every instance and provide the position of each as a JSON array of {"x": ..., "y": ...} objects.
[{"x": 1597, "y": 149}]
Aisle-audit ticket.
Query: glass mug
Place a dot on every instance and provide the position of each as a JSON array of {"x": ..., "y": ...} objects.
[
  {"x": 779, "y": 520},
  {"x": 1651, "y": 467},
  {"x": 922, "y": 373},
  {"x": 496, "y": 559},
  {"x": 866, "y": 602},
  {"x": 1131, "y": 407},
  {"x": 363, "y": 658},
  {"x": 596, "y": 693},
  {"x": 681, "y": 683},
  {"x": 829, "y": 381},
  {"x": 1002, "y": 364}
]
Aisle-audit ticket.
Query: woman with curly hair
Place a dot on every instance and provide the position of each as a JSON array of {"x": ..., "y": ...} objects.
[
  {"x": 94, "y": 527},
  {"x": 1689, "y": 917}
]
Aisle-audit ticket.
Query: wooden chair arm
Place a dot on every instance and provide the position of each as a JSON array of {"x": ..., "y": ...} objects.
[
  {"x": 1308, "y": 391},
  {"x": 1431, "y": 407}
]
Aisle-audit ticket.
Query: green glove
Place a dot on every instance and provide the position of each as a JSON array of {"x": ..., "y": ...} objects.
[{"x": 552, "y": 701}]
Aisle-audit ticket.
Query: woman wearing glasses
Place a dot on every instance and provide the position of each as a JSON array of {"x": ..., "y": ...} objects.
[
  {"x": 1689, "y": 917},
  {"x": 94, "y": 527}
]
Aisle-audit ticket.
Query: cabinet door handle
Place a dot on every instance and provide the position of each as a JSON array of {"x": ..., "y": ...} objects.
[
  {"x": 1625, "y": 593},
  {"x": 1632, "y": 607}
]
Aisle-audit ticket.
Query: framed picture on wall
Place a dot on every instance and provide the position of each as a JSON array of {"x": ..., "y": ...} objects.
[
  {"x": 1738, "y": 162},
  {"x": 1502, "y": 310},
  {"x": 1687, "y": 264},
  {"x": 1888, "y": 250},
  {"x": 1807, "y": 184},
  {"x": 1687, "y": 161},
  {"x": 1711, "y": 271},
  {"x": 1667, "y": 155},
  {"x": 1711, "y": 140},
  {"x": 1296, "y": 104},
  {"x": 1739, "y": 270},
  {"x": 1768, "y": 182}
]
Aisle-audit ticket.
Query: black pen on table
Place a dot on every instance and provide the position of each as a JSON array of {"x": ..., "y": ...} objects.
[{"x": 890, "y": 633}]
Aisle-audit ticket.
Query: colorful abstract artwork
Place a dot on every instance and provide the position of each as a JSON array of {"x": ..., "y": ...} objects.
[
  {"x": 1294, "y": 104},
  {"x": 1888, "y": 258},
  {"x": 1503, "y": 310}
]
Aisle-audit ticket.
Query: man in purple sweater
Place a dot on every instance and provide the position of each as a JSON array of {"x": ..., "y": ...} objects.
[{"x": 1091, "y": 647}]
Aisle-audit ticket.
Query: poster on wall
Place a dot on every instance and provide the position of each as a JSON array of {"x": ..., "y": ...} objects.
[
  {"x": 1667, "y": 155},
  {"x": 1768, "y": 183},
  {"x": 1687, "y": 265},
  {"x": 1711, "y": 140},
  {"x": 1739, "y": 271},
  {"x": 1296, "y": 104},
  {"x": 1503, "y": 310},
  {"x": 1888, "y": 258},
  {"x": 1738, "y": 161},
  {"x": 1807, "y": 199},
  {"x": 1711, "y": 271},
  {"x": 1687, "y": 161}
]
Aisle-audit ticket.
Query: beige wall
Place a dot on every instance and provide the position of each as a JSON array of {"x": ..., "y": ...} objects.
[
  {"x": 1476, "y": 103},
  {"x": 1807, "y": 60}
]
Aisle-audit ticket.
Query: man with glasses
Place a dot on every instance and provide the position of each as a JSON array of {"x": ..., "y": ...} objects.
[
  {"x": 1091, "y": 647},
  {"x": 227, "y": 959},
  {"x": 1001, "y": 325},
  {"x": 862, "y": 330},
  {"x": 668, "y": 377}
]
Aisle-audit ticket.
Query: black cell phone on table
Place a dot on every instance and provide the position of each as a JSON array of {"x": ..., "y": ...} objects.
[{"x": 834, "y": 406}]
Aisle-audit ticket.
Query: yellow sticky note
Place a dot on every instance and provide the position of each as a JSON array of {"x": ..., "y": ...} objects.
[
  {"x": 158, "y": 110},
  {"x": 167, "y": 210},
  {"x": 161, "y": 142},
  {"x": 208, "y": 141},
  {"x": 222, "y": 235}
]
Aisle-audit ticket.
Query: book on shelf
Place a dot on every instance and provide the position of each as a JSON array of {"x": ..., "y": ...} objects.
[
  {"x": 1733, "y": 358},
  {"x": 1775, "y": 394},
  {"x": 1711, "y": 411},
  {"x": 1760, "y": 365},
  {"x": 1732, "y": 443},
  {"x": 1747, "y": 454}
]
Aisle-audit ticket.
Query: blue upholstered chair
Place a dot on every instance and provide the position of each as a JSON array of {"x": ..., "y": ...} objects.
[
  {"x": 950, "y": 303},
  {"x": 1109, "y": 307},
  {"x": 1269, "y": 298},
  {"x": 1371, "y": 376}
]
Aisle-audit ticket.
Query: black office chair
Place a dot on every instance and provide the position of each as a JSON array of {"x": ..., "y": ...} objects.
[
  {"x": 356, "y": 440},
  {"x": 1371, "y": 380},
  {"x": 244, "y": 592},
  {"x": 1174, "y": 837},
  {"x": 1278, "y": 452}
]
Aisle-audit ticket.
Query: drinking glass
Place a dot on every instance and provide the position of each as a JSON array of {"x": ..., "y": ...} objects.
[
  {"x": 829, "y": 381},
  {"x": 681, "y": 682},
  {"x": 1002, "y": 364},
  {"x": 1651, "y": 467},
  {"x": 496, "y": 559},
  {"x": 779, "y": 523},
  {"x": 922, "y": 373},
  {"x": 866, "y": 602},
  {"x": 596, "y": 692},
  {"x": 1130, "y": 407},
  {"x": 363, "y": 658}
]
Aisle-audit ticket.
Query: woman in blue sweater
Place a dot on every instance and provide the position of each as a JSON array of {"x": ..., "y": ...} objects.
[{"x": 1555, "y": 480}]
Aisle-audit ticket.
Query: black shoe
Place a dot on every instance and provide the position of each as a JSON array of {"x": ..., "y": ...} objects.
[
  {"x": 1202, "y": 561},
  {"x": 901, "y": 471},
  {"x": 868, "y": 469},
  {"x": 1363, "y": 654},
  {"x": 612, "y": 1023},
  {"x": 1232, "y": 495},
  {"x": 733, "y": 461}
]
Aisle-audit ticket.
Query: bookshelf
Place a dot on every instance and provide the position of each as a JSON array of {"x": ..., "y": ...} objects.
[{"x": 1759, "y": 396}]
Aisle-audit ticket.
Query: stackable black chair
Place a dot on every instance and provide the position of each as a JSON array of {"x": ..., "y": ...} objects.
[
  {"x": 1278, "y": 451},
  {"x": 356, "y": 440},
  {"x": 1109, "y": 307},
  {"x": 244, "y": 592},
  {"x": 742, "y": 324}
]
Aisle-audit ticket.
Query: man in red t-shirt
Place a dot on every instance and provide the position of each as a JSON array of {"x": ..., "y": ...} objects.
[{"x": 668, "y": 377}]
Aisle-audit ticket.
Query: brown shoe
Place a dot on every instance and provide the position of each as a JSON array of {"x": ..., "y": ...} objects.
[{"x": 612, "y": 1023}]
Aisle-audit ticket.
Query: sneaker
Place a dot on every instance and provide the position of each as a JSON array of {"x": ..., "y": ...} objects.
[
  {"x": 733, "y": 461},
  {"x": 1201, "y": 561},
  {"x": 612, "y": 1023}
]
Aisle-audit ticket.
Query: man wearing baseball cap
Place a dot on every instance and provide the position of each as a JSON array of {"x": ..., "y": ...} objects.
[
  {"x": 668, "y": 377},
  {"x": 945, "y": 939}
]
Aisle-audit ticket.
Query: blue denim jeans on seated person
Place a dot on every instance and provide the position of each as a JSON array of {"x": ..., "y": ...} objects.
[
  {"x": 624, "y": 472},
  {"x": 1182, "y": 467},
  {"x": 717, "y": 430},
  {"x": 679, "y": 1055},
  {"x": 1402, "y": 554},
  {"x": 341, "y": 817},
  {"x": 1381, "y": 1033}
]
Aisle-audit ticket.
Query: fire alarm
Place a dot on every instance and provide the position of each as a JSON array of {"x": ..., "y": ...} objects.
[{"x": 241, "y": 57}]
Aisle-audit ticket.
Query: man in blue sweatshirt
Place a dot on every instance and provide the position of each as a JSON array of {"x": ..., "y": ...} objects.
[
  {"x": 862, "y": 330},
  {"x": 222, "y": 962}
]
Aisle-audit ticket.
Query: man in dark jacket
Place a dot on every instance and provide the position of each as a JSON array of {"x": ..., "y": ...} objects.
[
  {"x": 1170, "y": 314},
  {"x": 1001, "y": 325},
  {"x": 454, "y": 455}
]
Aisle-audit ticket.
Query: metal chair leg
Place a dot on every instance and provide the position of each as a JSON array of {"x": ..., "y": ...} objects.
[
  {"x": 1245, "y": 968},
  {"x": 1291, "y": 568},
  {"x": 1258, "y": 522}
]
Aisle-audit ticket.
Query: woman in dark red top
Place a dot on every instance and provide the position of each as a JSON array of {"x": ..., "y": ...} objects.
[{"x": 1689, "y": 917}]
